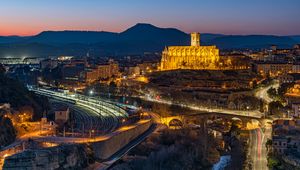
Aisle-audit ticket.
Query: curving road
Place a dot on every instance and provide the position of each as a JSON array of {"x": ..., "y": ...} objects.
[
  {"x": 100, "y": 116},
  {"x": 258, "y": 150},
  {"x": 262, "y": 92},
  {"x": 57, "y": 140},
  {"x": 250, "y": 113}
]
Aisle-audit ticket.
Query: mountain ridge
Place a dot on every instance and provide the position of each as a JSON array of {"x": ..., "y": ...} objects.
[{"x": 137, "y": 39}]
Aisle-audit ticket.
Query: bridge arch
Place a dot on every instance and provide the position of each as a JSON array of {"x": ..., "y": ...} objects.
[
  {"x": 252, "y": 124},
  {"x": 236, "y": 119},
  {"x": 175, "y": 123}
]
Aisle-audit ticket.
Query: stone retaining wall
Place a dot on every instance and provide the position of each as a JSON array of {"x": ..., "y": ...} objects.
[{"x": 107, "y": 148}]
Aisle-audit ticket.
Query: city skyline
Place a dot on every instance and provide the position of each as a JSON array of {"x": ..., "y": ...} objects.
[
  {"x": 143, "y": 85},
  {"x": 233, "y": 17}
]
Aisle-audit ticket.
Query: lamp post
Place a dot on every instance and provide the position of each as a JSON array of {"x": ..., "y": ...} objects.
[
  {"x": 91, "y": 92},
  {"x": 93, "y": 133},
  {"x": 75, "y": 92}
]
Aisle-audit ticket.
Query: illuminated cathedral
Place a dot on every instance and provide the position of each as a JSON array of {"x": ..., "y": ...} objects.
[{"x": 190, "y": 57}]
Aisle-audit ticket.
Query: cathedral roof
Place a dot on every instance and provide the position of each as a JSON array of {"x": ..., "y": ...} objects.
[{"x": 175, "y": 48}]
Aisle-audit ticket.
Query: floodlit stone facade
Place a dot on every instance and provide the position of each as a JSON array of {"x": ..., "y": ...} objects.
[{"x": 190, "y": 57}]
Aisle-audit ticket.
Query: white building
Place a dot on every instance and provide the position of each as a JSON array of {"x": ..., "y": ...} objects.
[
  {"x": 296, "y": 109},
  {"x": 62, "y": 114}
]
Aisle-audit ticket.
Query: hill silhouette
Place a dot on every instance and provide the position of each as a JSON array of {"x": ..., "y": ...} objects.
[{"x": 138, "y": 39}]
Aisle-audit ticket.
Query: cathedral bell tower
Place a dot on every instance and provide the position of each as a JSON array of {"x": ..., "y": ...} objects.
[{"x": 195, "y": 39}]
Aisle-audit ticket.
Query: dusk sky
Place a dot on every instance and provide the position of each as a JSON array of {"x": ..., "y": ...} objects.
[{"x": 29, "y": 17}]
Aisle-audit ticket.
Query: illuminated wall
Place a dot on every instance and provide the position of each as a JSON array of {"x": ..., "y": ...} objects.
[{"x": 190, "y": 57}]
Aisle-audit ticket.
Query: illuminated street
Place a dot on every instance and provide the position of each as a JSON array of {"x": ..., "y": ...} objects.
[
  {"x": 149, "y": 85},
  {"x": 262, "y": 92},
  {"x": 93, "y": 138},
  {"x": 96, "y": 115},
  {"x": 247, "y": 113},
  {"x": 258, "y": 150}
]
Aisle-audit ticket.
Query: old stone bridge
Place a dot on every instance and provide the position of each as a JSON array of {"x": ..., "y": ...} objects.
[{"x": 247, "y": 121}]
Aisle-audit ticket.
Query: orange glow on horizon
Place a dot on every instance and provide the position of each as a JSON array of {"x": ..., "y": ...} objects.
[
  {"x": 33, "y": 29},
  {"x": 17, "y": 32}
]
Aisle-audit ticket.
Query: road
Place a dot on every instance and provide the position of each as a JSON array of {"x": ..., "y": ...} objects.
[
  {"x": 262, "y": 92},
  {"x": 257, "y": 148},
  {"x": 118, "y": 155},
  {"x": 250, "y": 113},
  {"x": 97, "y": 116},
  {"x": 16, "y": 147},
  {"x": 93, "y": 138},
  {"x": 258, "y": 137}
]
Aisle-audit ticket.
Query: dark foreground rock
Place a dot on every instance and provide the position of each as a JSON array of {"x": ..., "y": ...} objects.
[
  {"x": 7, "y": 131},
  {"x": 60, "y": 157}
]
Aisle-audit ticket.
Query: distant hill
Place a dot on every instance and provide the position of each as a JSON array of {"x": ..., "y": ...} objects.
[
  {"x": 11, "y": 39},
  {"x": 150, "y": 33},
  {"x": 252, "y": 41},
  {"x": 296, "y": 38},
  {"x": 135, "y": 40},
  {"x": 70, "y": 37}
]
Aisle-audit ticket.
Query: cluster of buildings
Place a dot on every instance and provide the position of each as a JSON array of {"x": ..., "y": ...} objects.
[
  {"x": 293, "y": 98},
  {"x": 197, "y": 57},
  {"x": 140, "y": 69},
  {"x": 81, "y": 72},
  {"x": 72, "y": 72},
  {"x": 270, "y": 62},
  {"x": 275, "y": 62},
  {"x": 19, "y": 60},
  {"x": 214, "y": 85},
  {"x": 286, "y": 140},
  {"x": 274, "y": 69}
]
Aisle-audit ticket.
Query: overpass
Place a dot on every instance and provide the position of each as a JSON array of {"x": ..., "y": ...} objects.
[{"x": 183, "y": 120}]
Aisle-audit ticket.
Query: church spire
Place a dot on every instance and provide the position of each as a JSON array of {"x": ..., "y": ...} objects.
[{"x": 195, "y": 39}]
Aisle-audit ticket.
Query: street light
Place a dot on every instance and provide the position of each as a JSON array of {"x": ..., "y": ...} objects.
[
  {"x": 91, "y": 92},
  {"x": 91, "y": 132},
  {"x": 75, "y": 90}
]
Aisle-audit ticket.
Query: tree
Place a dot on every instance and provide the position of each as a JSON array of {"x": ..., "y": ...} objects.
[
  {"x": 7, "y": 131},
  {"x": 2, "y": 69},
  {"x": 272, "y": 92},
  {"x": 15, "y": 93},
  {"x": 273, "y": 162},
  {"x": 275, "y": 107},
  {"x": 269, "y": 144},
  {"x": 284, "y": 88}
]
